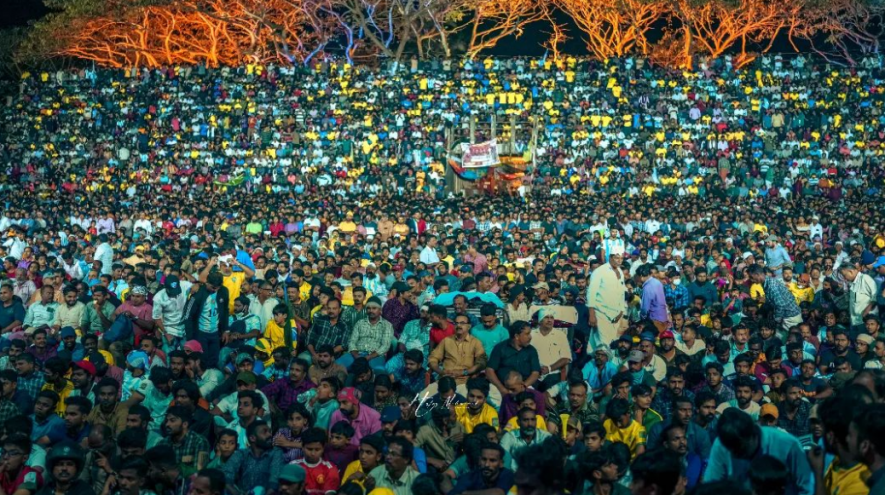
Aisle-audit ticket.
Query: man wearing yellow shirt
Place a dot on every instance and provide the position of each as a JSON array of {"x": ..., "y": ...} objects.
[
  {"x": 371, "y": 454},
  {"x": 476, "y": 411},
  {"x": 621, "y": 427},
  {"x": 845, "y": 475}
]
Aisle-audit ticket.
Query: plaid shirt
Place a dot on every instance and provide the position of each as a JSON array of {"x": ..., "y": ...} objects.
[
  {"x": 31, "y": 384},
  {"x": 367, "y": 337},
  {"x": 187, "y": 451},
  {"x": 799, "y": 425},
  {"x": 7, "y": 410},
  {"x": 322, "y": 332},
  {"x": 663, "y": 402},
  {"x": 781, "y": 298},
  {"x": 679, "y": 295}
]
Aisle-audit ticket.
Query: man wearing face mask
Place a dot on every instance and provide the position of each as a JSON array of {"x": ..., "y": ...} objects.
[
  {"x": 65, "y": 462},
  {"x": 676, "y": 292}
]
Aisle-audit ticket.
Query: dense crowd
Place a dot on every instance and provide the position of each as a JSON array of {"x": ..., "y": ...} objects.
[{"x": 258, "y": 280}]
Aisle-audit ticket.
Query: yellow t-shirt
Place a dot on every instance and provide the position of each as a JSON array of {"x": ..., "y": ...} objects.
[
  {"x": 234, "y": 284},
  {"x": 304, "y": 290},
  {"x": 847, "y": 481},
  {"x": 633, "y": 435},
  {"x": 277, "y": 335},
  {"x": 756, "y": 291},
  {"x": 62, "y": 394},
  {"x": 488, "y": 415},
  {"x": 352, "y": 468}
]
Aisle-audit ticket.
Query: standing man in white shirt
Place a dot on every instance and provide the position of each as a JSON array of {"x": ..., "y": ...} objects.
[
  {"x": 862, "y": 293},
  {"x": 606, "y": 299},
  {"x": 104, "y": 253}
]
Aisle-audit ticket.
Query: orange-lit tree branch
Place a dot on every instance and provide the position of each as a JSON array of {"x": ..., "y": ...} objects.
[
  {"x": 490, "y": 21},
  {"x": 615, "y": 28},
  {"x": 715, "y": 26}
]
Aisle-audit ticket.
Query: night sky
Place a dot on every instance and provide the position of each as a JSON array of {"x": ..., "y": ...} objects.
[{"x": 19, "y": 12}]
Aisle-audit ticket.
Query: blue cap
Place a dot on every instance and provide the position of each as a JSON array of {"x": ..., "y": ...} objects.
[
  {"x": 68, "y": 332},
  {"x": 138, "y": 359},
  {"x": 647, "y": 336},
  {"x": 390, "y": 414}
]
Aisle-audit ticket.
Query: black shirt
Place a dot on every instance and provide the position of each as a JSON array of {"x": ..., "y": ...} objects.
[{"x": 504, "y": 358}]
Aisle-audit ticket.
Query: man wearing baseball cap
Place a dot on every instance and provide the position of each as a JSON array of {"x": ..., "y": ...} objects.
[
  {"x": 364, "y": 419},
  {"x": 292, "y": 479},
  {"x": 83, "y": 379}
]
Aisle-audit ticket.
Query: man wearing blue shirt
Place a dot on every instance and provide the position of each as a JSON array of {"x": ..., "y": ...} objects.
[
  {"x": 491, "y": 477},
  {"x": 776, "y": 256},
  {"x": 740, "y": 440}
]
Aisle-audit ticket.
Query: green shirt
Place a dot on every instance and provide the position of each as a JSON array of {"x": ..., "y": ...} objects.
[{"x": 91, "y": 323}]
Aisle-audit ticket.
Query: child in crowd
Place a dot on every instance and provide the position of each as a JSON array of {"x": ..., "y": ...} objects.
[
  {"x": 298, "y": 420},
  {"x": 340, "y": 451},
  {"x": 322, "y": 476}
]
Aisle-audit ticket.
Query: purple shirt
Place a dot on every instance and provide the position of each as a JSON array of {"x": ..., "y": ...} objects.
[
  {"x": 654, "y": 303},
  {"x": 367, "y": 422},
  {"x": 509, "y": 407},
  {"x": 284, "y": 394}
]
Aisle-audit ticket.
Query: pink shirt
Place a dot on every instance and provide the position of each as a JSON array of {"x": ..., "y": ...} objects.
[{"x": 367, "y": 422}]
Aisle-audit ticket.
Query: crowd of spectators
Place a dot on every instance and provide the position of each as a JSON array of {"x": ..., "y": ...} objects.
[{"x": 261, "y": 280}]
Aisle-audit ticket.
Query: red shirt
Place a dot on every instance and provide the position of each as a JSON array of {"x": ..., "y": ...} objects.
[
  {"x": 27, "y": 476},
  {"x": 322, "y": 478},
  {"x": 438, "y": 334}
]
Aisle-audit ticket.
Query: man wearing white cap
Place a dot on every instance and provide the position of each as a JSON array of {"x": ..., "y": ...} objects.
[
  {"x": 553, "y": 348},
  {"x": 606, "y": 298}
]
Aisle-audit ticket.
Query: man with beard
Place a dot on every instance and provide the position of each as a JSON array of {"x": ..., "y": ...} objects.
[
  {"x": 83, "y": 379},
  {"x": 706, "y": 418},
  {"x": 622, "y": 351},
  {"x": 794, "y": 411},
  {"x": 109, "y": 411},
  {"x": 476, "y": 411},
  {"x": 697, "y": 439},
  {"x": 675, "y": 387},
  {"x": 187, "y": 395},
  {"x": 190, "y": 448},
  {"x": 206, "y": 378},
  {"x": 490, "y": 477},
  {"x": 601, "y": 472},
  {"x": 178, "y": 364},
  {"x": 667, "y": 350},
  {"x": 743, "y": 398},
  {"x": 527, "y": 434},
  {"x": 676, "y": 441},
  {"x": 576, "y": 407},
  {"x": 370, "y": 338},
  {"x": 324, "y": 366},
  {"x": 65, "y": 462},
  {"x": 257, "y": 465},
  {"x": 599, "y": 372},
  {"x": 845, "y": 474},
  {"x": 841, "y": 348}
]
